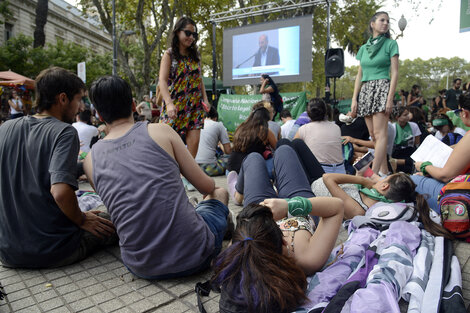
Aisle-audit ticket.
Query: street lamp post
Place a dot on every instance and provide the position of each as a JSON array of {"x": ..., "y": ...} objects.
[
  {"x": 402, "y": 25},
  {"x": 114, "y": 39}
]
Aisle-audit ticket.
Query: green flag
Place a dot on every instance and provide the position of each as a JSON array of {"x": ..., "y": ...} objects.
[{"x": 464, "y": 16}]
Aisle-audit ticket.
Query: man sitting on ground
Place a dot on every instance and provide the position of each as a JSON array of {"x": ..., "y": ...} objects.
[
  {"x": 41, "y": 224},
  {"x": 287, "y": 123},
  {"x": 161, "y": 234},
  {"x": 86, "y": 132},
  {"x": 212, "y": 162}
]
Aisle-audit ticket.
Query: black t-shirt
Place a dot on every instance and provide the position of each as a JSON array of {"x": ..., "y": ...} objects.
[
  {"x": 357, "y": 130},
  {"x": 34, "y": 155},
  {"x": 452, "y": 98}
]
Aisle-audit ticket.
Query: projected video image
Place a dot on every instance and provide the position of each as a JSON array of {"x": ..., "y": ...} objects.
[
  {"x": 282, "y": 49},
  {"x": 274, "y": 52}
]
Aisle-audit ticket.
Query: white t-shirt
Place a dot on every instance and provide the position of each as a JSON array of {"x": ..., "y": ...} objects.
[
  {"x": 457, "y": 130},
  {"x": 85, "y": 134},
  {"x": 19, "y": 104},
  {"x": 285, "y": 129},
  {"x": 211, "y": 134},
  {"x": 414, "y": 130},
  {"x": 324, "y": 140}
]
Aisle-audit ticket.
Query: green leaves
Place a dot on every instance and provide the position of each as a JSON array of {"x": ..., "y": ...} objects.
[{"x": 19, "y": 55}]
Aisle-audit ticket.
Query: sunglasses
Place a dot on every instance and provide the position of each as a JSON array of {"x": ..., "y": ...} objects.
[{"x": 189, "y": 33}]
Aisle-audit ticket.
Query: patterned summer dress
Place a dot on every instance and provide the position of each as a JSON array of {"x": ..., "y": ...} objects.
[{"x": 184, "y": 84}]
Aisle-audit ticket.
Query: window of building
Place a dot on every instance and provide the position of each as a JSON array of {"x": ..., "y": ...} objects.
[{"x": 8, "y": 31}]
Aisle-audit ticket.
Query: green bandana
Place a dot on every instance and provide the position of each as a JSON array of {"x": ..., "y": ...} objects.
[
  {"x": 440, "y": 122},
  {"x": 373, "y": 45},
  {"x": 403, "y": 134},
  {"x": 373, "y": 194}
]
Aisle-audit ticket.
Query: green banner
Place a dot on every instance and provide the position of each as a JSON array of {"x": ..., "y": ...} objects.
[
  {"x": 464, "y": 16},
  {"x": 234, "y": 109}
]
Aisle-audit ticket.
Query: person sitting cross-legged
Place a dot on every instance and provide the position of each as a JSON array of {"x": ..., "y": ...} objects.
[
  {"x": 161, "y": 234},
  {"x": 41, "y": 225}
]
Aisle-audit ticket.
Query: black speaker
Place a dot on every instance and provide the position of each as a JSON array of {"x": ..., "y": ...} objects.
[{"x": 334, "y": 63}]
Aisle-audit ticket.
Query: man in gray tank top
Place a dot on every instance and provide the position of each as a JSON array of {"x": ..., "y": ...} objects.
[{"x": 136, "y": 170}]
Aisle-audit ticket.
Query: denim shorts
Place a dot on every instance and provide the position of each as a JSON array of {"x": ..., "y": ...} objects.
[{"x": 215, "y": 215}]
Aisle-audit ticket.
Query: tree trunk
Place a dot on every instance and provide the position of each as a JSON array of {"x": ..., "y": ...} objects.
[{"x": 41, "y": 20}]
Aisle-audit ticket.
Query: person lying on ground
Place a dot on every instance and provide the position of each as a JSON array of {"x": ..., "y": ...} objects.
[{"x": 269, "y": 258}]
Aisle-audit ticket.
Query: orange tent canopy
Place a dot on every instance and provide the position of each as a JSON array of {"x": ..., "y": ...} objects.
[{"x": 8, "y": 77}]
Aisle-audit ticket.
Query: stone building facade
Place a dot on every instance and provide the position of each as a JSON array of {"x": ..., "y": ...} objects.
[{"x": 64, "y": 22}]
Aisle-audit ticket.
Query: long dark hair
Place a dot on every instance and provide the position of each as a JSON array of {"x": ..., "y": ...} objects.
[
  {"x": 270, "y": 82},
  {"x": 175, "y": 51},
  {"x": 255, "y": 128},
  {"x": 373, "y": 19},
  {"x": 402, "y": 188},
  {"x": 253, "y": 271}
]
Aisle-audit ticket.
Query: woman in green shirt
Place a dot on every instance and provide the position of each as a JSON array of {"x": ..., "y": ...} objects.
[{"x": 375, "y": 84}]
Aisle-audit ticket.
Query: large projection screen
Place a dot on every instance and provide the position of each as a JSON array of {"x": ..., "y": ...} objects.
[{"x": 282, "y": 49}]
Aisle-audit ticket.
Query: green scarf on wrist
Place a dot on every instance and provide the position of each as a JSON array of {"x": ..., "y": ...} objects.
[{"x": 373, "y": 45}]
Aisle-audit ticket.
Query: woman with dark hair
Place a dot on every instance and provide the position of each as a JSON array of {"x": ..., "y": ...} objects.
[
  {"x": 446, "y": 129},
  {"x": 264, "y": 269},
  {"x": 359, "y": 193},
  {"x": 252, "y": 135},
  {"x": 270, "y": 93},
  {"x": 375, "y": 84},
  {"x": 181, "y": 84},
  {"x": 16, "y": 106},
  {"x": 323, "y": 137},
  {"x": 415, "y": 96}
]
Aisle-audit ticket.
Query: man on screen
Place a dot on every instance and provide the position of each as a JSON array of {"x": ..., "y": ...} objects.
[{"x": 266, "y": 54}]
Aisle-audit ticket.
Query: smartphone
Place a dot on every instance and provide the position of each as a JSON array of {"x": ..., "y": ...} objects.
[{"x": 364, "y": 161}]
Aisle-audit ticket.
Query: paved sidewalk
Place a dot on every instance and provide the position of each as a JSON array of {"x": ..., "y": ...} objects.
[{"x": 102, "y": 284}]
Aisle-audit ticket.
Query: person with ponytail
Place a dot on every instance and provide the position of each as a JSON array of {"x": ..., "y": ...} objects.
[
  {"x": 265, "y": 268},
  {"x": 359, "y": 193},
  {"x": 375, "y": 84}
]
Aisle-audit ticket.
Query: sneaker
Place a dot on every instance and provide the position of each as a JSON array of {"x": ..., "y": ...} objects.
[
  {"x": 231, "y": 182},
  {"x": 346, "y": 119}
]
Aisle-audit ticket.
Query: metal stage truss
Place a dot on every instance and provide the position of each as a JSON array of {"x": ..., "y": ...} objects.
[{"x": 256, "y": 10}]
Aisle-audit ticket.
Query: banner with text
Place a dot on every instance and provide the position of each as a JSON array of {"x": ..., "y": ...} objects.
[
  {"x": 464, "y": 16},
  {"x": 234, "y": 109}
]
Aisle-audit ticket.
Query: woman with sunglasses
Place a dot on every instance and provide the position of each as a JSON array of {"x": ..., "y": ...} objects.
[
  {"x": 181, "y": 84},
  {"x": 431, "y": 179}
]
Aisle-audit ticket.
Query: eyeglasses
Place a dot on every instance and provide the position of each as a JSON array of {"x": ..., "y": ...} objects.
[{"x": 189, "y": 33}]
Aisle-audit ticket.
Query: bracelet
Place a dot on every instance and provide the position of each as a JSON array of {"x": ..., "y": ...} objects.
[
  {"x": 299, "y": 206},
  {"x": 423, "y": 167},
  {"x": 83, "y": 219}
]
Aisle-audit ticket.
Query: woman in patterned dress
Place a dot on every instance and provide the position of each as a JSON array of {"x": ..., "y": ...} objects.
[
  {"x": 181, "y": 84},
  {"x": 375, "y": 84}
]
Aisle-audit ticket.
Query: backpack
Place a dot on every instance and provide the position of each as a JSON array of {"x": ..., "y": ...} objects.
[
  {"x": 451, "y": 138},
  {"x": 454, "y": 202},
  {"x": 382, "y": 214}
]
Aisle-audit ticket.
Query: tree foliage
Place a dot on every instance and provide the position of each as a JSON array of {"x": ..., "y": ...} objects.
[
  {"x": 432, "y": 75},
  {"x": 18, "y": 55}
]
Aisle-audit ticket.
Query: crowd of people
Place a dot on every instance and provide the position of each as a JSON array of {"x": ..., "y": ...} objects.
[{"x": 294, "y": 181}]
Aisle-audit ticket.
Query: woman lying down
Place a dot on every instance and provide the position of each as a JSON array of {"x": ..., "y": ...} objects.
[{"x": 283, "y": 236}]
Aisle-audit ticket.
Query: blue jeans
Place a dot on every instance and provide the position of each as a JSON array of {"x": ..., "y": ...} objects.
[
  {"x": 431, "y": 187},
  {"x": 334, "y": 168},
  {"x": 215, "y": 215},
  {"x": 254, "y": 183}
]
